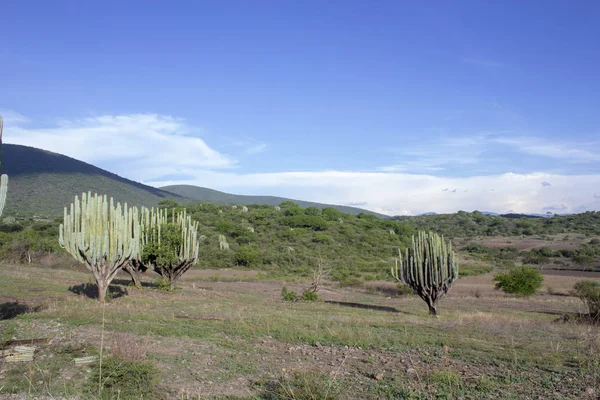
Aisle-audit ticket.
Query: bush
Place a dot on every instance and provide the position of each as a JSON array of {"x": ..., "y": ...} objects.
[
  {"x": 584, "y": 260},
  {"x": 125, "y": 379},
  {"x": 404, "y": 289},
  {"x": 589, "y": 293},
  {"x": 306, "y": 221},
  {"x": 523, "y": 281},
  {"x": 288, "y": 295},
  {"x": 246, "y": 256},
  {"x": 303, "y": 385},
  {"x": 309, "y": 295}
]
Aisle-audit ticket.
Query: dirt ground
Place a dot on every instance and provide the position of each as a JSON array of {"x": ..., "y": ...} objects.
[{"x": 230, "y": 337}]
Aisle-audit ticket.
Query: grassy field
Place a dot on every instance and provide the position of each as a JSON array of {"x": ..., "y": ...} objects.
[{"x": 228, "y": 334}]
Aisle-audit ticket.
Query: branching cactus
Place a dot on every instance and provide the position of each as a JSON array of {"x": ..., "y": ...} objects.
[
  {"x": 170, "y": 244},
  {"x": 429, "y": 268},
  {"x": 3, "y": 177},
  {"x": 100, "y": 235}
]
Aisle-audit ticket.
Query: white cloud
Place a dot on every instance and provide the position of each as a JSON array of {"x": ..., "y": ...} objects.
[
  {"x": 396, "y": 193},
  {"x": 163, "y": 150},
  {"x": 584, "y": 152},
  {"x": 138, "y": 146},
  {"x": 257, "y": 148},
  {"x": 11, "y": 117}
]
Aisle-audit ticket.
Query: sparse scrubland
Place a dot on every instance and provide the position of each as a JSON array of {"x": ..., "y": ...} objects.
[{"x": 226, "y": 330}]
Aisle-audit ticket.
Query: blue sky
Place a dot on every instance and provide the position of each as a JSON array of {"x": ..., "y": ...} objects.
[{"x": 381, "y": 103}]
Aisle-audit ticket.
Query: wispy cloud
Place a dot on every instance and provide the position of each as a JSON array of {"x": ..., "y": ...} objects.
[
  {"x": 11, "y": 117},
  {"x": 396, "y": 193},
  {"x": 257, "y": 148},
  {"x": 583, "y": 152},
  {"x": 138, "y": 146},
  {"x": 430, "y": 156}
]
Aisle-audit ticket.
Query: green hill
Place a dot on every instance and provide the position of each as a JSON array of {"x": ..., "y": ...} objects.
[
  {"x": 42, "y": 183},
  {"x": 214, "y": 196}
]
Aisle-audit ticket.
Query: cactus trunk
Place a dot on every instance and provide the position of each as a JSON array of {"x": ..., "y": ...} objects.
[
  {"x": 3, "y": 177},
  {"x": 428, "y": 267}
]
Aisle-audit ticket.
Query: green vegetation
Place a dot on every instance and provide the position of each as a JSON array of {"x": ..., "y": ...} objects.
[
  {"x": 589, "y": 293},
  {"x": 42, "y": 183},
  {"x": 303, "y": 385},
  {"x": 124, "y": 379},
  {"x": 428, "y": 267},
  {"x": 464, "y": 224},
  {"x": 524, "y": 281},
  {"x": 288, "y": 295},
  {"x": 168, "y": 246}
]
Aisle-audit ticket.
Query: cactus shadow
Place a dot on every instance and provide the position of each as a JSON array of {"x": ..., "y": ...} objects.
[
  {"x": 127, "y": 282},
  {"x": 12, "y": 309},
  {"x": 91, "y": 290},
  {"x": 363, "y": 306}
]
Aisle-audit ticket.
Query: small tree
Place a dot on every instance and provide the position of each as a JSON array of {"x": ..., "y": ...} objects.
[
  {"x": 169, "y": 245},
  {"x": 589, "y": 293},
  {"x": 524, "y": 281},
  {"x": 320, "y": 273},
  {"x": 246, "y": 256},
  {"x": 100, "y": 235},
  {"x": 428, "y": 267}
]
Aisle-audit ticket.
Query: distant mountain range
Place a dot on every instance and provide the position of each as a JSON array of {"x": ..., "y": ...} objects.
[
  {"x": 42, "y": 183},
  {"x": 214, "y": 196}
]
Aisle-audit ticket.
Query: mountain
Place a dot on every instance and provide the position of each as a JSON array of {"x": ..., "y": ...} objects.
[
  {"x": 214, "y": 196},
  {"x": 42, "y": 183}
]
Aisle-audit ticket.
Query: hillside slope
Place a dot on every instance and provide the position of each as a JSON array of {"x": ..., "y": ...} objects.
[
  {"x": 42, "y": 183},
  {"x": 214, "y": 196}
]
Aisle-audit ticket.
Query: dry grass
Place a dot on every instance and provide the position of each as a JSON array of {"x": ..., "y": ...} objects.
[{"x": 218, "y": 338}]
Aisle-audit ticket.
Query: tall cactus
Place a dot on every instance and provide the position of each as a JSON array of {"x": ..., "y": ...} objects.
[
  {"x": 3, "y": 177},
  {"x": 429, "y": 268},
  {"x": 101, "y": 235},
  {"x": 169, "y": 243}
]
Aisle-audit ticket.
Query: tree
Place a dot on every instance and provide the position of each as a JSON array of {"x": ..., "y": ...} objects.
[
  {"x": 331, "y": 214},
  {"x": 170, "y": 244},
  {"x": 428, "y": 268},
  {"x": 246, "y": 256},
  {"x": 100, "y": 235},
  {"x": 523, "y": 281},
  {"x": 589, "y": 293}
]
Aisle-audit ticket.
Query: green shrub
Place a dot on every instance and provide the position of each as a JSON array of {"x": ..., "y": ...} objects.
[
  {"x": 352, "y": 281},
  {"x": 321, "y": 238},
  {"x": 246, "y": 256},
  {"x": 589, "y": 293},
  {"x": 404, "y": 289},
  {"x": 125, "y": 380},
  {"x": 288, "y": 295},
  {"x": 313, "y": 222},
  {"x": 303, "y": 385},
  {"x": 519, "y": 280},
  {"x": 584, "y": 260},
  {"x": 161, "y": 284},
  {"x": 309, "y": 295},
  {"x": 474, "y": 269}
]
